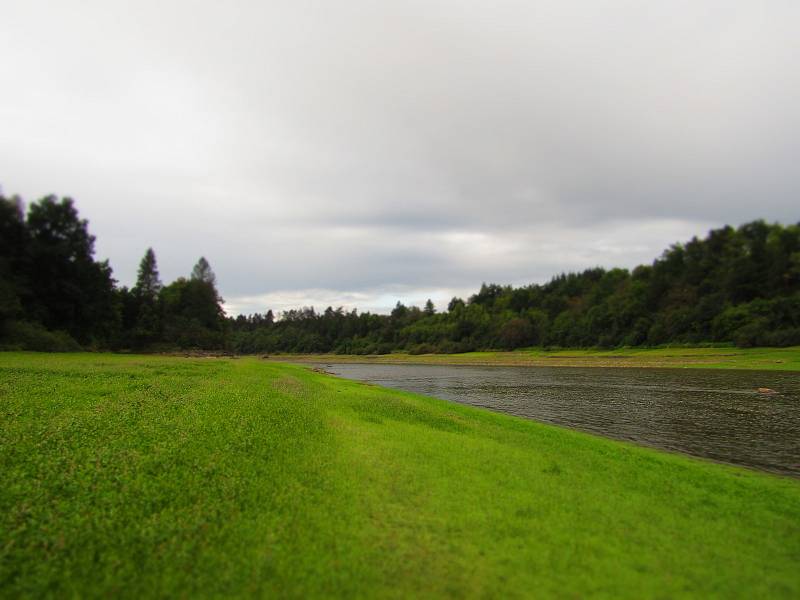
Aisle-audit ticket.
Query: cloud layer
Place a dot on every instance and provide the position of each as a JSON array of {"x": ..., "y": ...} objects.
[{"x": 354, "y": 152}]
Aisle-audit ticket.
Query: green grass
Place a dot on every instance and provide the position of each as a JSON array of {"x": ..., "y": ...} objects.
[
  {"x": 719, "y": 357},
  {"x": 126, "y": 476}
]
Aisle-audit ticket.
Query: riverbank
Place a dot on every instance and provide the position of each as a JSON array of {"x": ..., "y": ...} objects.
[
  {"x": 138, "y": 476},
  {"x": 768, "y": 359}
]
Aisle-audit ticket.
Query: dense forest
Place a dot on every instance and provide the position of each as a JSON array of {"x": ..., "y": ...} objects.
[
  {"x": 55, "y": 296},
  {"x": 738, "y": 285}
]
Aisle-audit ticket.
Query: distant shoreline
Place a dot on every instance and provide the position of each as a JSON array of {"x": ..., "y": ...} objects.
[{"x": 724, "y": 357}]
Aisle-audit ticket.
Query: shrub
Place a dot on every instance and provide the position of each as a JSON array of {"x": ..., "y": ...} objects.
[
  {"x": 451, "y": 347},
  {"x": 782, "y": 337},
  {"x": 423, "y": 349},
  {"x": 751, "y": 334},
  {"x": 21, "y": 335}
]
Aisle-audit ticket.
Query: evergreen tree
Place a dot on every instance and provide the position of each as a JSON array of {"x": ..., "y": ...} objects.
[
  {"x": 147, "y": 325},
  {"x": 202, "y": 272},
  {"x": 455, "y": 304},
  {"x": 148, "y": 285}
]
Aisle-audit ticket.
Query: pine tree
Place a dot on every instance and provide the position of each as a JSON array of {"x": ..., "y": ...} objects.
[
  {"x": 147, "y": 328},
  {"x": 430, "y": 309},
  {"x": 202, "y": 272},
  {"x": 148, "y": 285}
]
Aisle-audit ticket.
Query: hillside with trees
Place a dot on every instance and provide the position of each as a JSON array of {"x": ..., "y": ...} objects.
[{"x": 737, "y": 285}]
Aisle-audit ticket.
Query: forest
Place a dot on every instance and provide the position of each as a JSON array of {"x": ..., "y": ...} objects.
[{"x": 737, "y": 285}]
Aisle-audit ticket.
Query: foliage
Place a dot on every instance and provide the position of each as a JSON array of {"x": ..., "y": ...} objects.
[
  {"x": 148, "y": 283},
  {"x": 53, "y": 292},
  {"x": 193, "y": 315},
  {"x": 19, "y": 335},
  {"x": 60, "y": 283},
  {"x": 737, "y": 286}
]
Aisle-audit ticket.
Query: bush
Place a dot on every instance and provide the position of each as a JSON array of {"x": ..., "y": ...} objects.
[
  {"x": 782, "y": 338},
  {"x": 450, "y": 347},
  {"x": 21, "y": 335},
  {"x": 606, "y": 342},
  {"x": 516, "y": 333},
  {"x": 423, "y": 349},
  {"x": 384, "y": 348},
  {"x": 752, "y": 334}
]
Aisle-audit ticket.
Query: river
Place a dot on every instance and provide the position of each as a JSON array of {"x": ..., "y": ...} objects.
[{"x": 714, "y": 414}]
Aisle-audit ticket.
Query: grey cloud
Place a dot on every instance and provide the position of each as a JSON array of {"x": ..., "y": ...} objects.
[{"x": 358, "y": 147}]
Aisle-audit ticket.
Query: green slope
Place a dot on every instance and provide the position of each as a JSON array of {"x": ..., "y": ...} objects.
[{"x": 144, "y": 476}]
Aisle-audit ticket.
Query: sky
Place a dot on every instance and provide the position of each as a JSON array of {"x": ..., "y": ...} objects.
[{"x": 356, "y": 153}]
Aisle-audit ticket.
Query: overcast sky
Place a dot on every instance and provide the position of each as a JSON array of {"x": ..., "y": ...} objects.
[{"x": 359, "y": 152}]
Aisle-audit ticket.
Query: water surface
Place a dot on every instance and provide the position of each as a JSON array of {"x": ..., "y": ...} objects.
[{"x": 718, "y": 415}]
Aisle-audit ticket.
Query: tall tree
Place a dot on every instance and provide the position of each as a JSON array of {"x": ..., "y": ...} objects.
[
  {"x": 69, "y": 289},
  {"x": 145, "y": 297},
  {"x": 13, "y": 258},
  {"x": 193, "y": 314},
  {"x": 207, "y": 300},
  {"x": 148, "y": 285},
  {"x": 202, "y": 272}
]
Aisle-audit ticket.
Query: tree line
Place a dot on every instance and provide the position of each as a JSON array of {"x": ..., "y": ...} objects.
[
  {"x": 737, "y": 285},
  {"x": 55, "y": 296}
]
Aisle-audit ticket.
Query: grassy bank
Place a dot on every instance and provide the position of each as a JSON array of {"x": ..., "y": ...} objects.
[
  {"x": 777, "y": 359},
  {"x": 141, "y": 476}
]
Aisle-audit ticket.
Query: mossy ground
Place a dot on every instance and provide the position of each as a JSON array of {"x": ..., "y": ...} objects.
[{"x": 130, "y": 476}]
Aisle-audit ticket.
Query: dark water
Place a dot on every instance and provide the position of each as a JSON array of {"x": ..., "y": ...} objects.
[{"x": 711, "y": 414}]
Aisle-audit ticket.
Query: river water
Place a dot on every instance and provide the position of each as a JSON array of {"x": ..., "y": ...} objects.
[{"x": 718, "y": 415}]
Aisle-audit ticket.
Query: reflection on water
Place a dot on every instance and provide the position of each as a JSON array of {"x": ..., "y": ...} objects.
[{"x": 713, "y": 414}]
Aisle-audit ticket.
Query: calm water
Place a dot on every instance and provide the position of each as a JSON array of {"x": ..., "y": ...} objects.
[{"x": 712, "y": 414}]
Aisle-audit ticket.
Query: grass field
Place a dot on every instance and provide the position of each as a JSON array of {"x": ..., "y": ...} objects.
[
  {"x": 781, "y": 359},
  {"x": 127, "y": 476}
]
